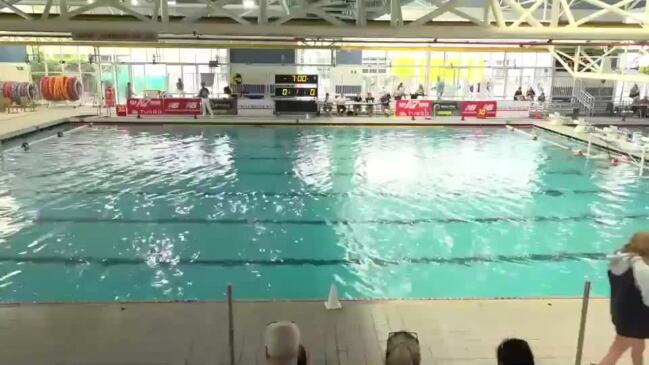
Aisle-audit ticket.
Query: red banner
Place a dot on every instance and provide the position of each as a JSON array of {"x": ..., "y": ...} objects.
[
  {"x": 414, "y": 108},
  {"x": 182, "y": 106},
  {"x": 144, "y": 106},
  {"x": 109, "y": 95},
  {"x": 121, "y": 110},
  {"x": 175, "y": 106},
  {"x": 479, "y": 109}
]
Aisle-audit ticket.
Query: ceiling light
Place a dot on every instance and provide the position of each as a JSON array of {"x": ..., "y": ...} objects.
[{"x": 249, "y": 4}]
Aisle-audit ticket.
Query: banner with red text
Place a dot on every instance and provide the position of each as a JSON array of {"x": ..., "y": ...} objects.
[
  {"x": 144, "y": 106},
  {"x": 155, "y": 106},
  {"x": 481, "y": 109},
  {"x": 414, "y": 108},
  {"x": 182, "y": 106}
]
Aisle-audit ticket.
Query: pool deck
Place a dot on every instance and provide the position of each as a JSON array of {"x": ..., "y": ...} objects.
[
  {"x": 622, "y": 147},
  {"x": 451, "y": 332},
  {"x": 12, "y": 125}
]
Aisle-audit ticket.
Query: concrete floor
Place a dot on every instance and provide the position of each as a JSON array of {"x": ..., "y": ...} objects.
[{"x": 450, "y": 331}]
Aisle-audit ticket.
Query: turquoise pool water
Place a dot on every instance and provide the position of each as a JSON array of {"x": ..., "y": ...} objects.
[{"x": 169, "y": 213}]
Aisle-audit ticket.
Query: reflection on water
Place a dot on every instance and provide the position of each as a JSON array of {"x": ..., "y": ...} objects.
[{"x": 176, "y": 213}]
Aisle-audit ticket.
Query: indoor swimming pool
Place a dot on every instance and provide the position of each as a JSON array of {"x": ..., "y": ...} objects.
[{"x": 177, "y": 212}]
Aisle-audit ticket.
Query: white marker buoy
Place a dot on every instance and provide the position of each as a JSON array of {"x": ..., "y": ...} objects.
[{"x": 332, "y": 302}]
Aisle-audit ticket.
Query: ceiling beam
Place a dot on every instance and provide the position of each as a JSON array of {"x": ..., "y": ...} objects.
[{"x": 322, "y": 28}]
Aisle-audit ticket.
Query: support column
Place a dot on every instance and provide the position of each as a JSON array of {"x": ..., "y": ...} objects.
[
  {"x": 262, "y": 19},
  {"x": 361, "y": 13}
]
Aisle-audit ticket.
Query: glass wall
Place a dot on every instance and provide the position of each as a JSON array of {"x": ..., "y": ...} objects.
[
  {"x": 458, "y": 74},
  {"x": 161, "y": 68},
  {"x": 461, "y": 73}
]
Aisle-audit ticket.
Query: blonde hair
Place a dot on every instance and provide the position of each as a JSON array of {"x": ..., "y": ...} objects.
[{"x": 638, "y": 245}]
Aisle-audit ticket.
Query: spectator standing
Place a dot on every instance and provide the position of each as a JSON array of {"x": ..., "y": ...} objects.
[
  {"x": 629, "y": 279},
  {"x": 129, "y": 91},
  {"x": 180, "y": 87},
  {"x": 401, "y": 91},
  {"x": 439, "y": 88},
  {"x": 635, "y": 93},
  {"x": 204, "y": 94}
]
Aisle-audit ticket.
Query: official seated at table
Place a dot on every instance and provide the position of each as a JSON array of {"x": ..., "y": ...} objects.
[
  {"x": 358, "y": 99},
  {"x": 340, "y": 105},
  {"x": 385, "y": 104},
  {"x": 327, "y": 105},
  {"x": 369, "y": 99}
]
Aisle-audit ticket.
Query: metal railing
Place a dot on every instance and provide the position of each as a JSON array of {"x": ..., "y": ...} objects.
[{"x": 585, "y": 100}]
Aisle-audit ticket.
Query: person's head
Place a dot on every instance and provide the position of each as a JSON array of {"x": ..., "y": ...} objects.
[
  {"x": 402, "y": 349},
  {"x": 514, "y": 351},
  {"x": 180, "y": 80},
  {"x": 327, "y": 95},
  {"x": 638, "y": 245},
  {"x": 128, "y": 84},
  {"x": 282, "y": 341},
  {"x": 520, "y": 88},
  {"x": 202, "y": 84}
]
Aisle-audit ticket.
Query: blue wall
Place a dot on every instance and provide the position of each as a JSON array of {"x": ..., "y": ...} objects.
[
  {"x": 349, "y": 57},
  {"x": 13, "y": 53},
  {"x": 253, "y": 56}
]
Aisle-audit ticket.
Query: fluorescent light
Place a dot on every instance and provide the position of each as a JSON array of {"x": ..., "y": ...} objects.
[
  {"x": 249, "y": 4},
  {"x": 134, "y": 2}
]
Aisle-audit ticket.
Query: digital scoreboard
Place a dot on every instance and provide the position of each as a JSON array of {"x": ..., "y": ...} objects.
[
  {"x": 296, "y": 91},
  {"x": 296, "y": 94},
  {"x": 296, "y": 79}
]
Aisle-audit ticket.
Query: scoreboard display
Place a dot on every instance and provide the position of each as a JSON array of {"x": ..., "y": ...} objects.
[
  {"x": 296, "y": 91},
  {"x": 296, "y": 79}
]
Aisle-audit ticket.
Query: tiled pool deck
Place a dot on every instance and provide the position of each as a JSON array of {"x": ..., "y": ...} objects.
[{"x": 450, "y": 331}]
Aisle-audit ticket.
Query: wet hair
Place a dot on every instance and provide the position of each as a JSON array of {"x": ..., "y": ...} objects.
[
  {"x": 514, "y": 351},
  {"x": 639, "y": 244}
]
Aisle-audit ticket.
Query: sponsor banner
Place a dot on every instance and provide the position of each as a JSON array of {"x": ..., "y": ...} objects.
[
  {"x": 224, "y": 106},
  {"x": 414, "y": 108},
  {"x": 514, "y": 105},
  {"x": 144, "y": 106},
  {"x": 446, "y": 108},
  {"x": 181, "y": 106},
  {"x": 155, "y": 106},
  {"x": 480, "y": 109},
  {"x": 109, "y": 96},
  {"x": 121, "y": 110},
  {"x": 255, "y": 107}
]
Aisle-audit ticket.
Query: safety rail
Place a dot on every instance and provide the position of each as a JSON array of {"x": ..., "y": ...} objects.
[{"x": 586, "y": 100}]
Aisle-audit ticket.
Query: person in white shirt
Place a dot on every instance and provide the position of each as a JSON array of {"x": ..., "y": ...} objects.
[{"x": 341, "y": 107}]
